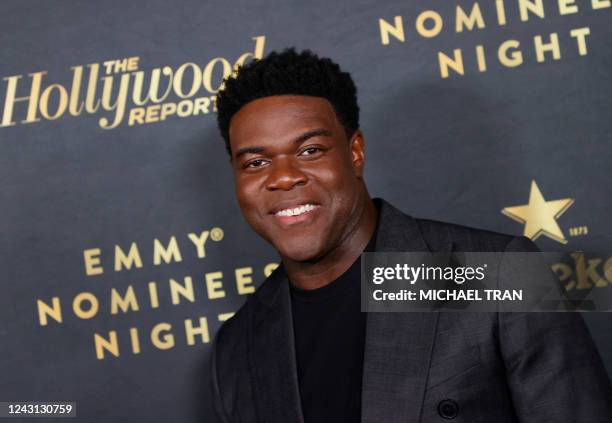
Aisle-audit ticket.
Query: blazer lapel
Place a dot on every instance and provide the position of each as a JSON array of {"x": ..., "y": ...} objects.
[
  {"x": 272, "y": 352},
  {"x": 398, "y": 345}
]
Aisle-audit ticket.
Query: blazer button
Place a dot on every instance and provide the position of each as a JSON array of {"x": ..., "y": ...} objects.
[{"x": 448, "y": 409}]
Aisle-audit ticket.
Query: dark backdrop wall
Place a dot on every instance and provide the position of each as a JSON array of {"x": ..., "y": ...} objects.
[{"x": 122, "y": 245}]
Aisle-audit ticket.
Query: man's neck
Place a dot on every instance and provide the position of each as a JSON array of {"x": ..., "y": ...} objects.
[{"x": 310, "y": 275}]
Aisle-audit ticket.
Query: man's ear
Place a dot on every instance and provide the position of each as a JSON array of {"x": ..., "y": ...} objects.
[{"x": 357, "y": 146}]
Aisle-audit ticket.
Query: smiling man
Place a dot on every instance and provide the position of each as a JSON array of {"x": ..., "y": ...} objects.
[
  {"x": 299, "y": 183},
  {"x": 300, "y": 350}
]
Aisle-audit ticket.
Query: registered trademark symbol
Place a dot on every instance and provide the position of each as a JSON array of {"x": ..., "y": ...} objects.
[{"x": 216, "y": 234}]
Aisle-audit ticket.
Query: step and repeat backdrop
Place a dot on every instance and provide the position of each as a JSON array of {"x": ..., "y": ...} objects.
[{"x": 122, "y": 247}]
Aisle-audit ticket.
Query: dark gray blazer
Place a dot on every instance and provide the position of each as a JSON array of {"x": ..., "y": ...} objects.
[{"x": 421, "y": 367}]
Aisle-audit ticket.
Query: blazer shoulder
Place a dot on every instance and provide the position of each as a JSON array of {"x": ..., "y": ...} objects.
[
  {"x": 229, "y": 363},
  {"x": 465, "y": 238},
  {"x": 234, "y": 330}
]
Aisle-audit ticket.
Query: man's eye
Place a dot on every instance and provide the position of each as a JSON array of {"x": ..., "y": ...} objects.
[
  {"x": 311, "y": 150},
  {"x": 255, "y": 163}
]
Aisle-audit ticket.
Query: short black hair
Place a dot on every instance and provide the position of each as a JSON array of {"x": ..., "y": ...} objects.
[{"x": 289, "y": 73}]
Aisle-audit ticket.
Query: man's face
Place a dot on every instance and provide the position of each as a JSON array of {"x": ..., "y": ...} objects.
[{"x": 297, "y": 176}]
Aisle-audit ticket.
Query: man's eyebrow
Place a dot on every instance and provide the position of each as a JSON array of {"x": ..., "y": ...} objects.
[
  {"x": 248, "y": 150},
  {"x": 312, "y": 133},
  {"x": 298, "y": 140}
]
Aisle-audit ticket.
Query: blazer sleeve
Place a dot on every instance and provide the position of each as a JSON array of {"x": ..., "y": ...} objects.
[
  {"x": 553, "y": 369},
  {"x": 216, "y": 390}
]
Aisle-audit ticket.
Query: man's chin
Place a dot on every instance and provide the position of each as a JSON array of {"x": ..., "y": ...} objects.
[{"x": 299, "y": 252}]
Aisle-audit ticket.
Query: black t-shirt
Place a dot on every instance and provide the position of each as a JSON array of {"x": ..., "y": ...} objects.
[{"x": 329, "y": 330}]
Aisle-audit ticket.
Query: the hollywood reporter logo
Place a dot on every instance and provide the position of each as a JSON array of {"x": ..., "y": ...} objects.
[{"x": 121, "y": 88}]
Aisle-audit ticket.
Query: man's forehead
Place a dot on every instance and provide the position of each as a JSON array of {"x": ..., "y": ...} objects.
[{"x": 280, "y": 115}]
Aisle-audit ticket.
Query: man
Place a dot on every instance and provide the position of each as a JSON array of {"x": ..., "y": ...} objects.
[{"x": 300, "y": 350}]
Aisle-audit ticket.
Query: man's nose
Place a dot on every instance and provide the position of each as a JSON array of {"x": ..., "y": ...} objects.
[{"x": 284, "y": 175}]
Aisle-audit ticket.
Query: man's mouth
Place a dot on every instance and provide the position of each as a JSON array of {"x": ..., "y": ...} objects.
[{"x": 298, "y": 213}]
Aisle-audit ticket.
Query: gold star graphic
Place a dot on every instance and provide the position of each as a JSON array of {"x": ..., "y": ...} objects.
[{"x": 539, "y": 216}]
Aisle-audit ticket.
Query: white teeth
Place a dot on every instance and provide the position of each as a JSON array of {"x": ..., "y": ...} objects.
[{"x": 295, "y": 211}]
